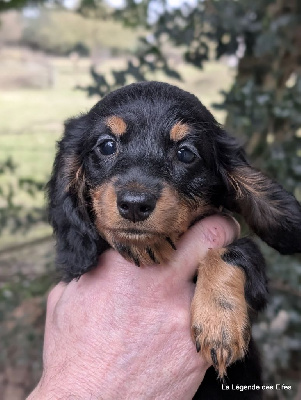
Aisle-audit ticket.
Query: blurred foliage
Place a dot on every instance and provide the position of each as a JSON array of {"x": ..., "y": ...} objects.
[
  {"x": 21, "y": 4},
  {"x": 148, "y": 59},
  {"x": 13, "y": 216},
  {"x": 44, "y": 33},
  {"x": 13, "y": 4},
  {"x": 62, "y": 32},
  {"x": 22, "y": 320}
]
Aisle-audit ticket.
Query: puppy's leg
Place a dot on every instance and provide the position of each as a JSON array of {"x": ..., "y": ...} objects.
[{"x": 230, "y": 290}]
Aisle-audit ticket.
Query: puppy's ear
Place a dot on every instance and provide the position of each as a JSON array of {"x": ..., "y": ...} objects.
[
  {"x": 78, "y": 243},
  {"x": 271, "y": 212}
]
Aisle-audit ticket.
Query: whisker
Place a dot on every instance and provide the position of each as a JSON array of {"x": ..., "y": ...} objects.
[
  {"x": 169, "y": 241},
  {"x": 152, "y": 255},
  {"x": 121, "y": 248}
]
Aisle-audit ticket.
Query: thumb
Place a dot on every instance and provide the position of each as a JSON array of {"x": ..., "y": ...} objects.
[{"x": 215, "y": 231}]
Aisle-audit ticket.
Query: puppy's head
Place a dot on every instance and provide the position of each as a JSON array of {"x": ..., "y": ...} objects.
[
  {"x": 144, "y": 164},
  {"x": 146, "y": 182}
]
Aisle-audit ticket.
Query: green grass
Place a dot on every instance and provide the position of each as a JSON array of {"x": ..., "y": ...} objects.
[{"x": 31, "y": 121}]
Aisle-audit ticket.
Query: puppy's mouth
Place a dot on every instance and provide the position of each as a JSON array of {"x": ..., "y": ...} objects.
[
  {"x": 141, "y": 227},
  {"x": 136, "y": 235},
  {"x": 142, "y": 247},
  {"x": 141, "y": 238}
]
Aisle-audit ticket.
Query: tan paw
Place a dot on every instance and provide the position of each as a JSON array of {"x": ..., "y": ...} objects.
[{"x": 220, "y": 323}]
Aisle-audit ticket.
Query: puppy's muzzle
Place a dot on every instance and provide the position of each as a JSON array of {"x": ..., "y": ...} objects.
[{"x": 135, "y": 206}]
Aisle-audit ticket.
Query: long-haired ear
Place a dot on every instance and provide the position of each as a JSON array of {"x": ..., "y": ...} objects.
[
  {"x": 78, "y": 243},
  {"x": 271, "y": 212}
]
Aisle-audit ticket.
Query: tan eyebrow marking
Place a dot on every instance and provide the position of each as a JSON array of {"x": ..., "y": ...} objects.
[
  {"x": 116, "y": 124},
  {"x": 179, "y": 131}
]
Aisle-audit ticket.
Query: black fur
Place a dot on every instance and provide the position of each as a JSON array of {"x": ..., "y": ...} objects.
[
  {"x": 244, "y": 253},
  {"x": 219, "y": 176}
]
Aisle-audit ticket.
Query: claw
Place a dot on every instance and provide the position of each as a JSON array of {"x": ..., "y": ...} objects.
[
  {"x": 197, "y": 345},
  {"x": 168, "y": 239}
]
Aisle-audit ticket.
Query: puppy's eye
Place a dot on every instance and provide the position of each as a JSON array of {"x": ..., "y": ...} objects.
[
  {"x": 108, "y": 147},
  {"x": 185, "y": 155}
]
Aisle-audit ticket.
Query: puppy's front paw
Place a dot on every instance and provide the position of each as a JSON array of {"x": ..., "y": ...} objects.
[{"x": 220, "y": 322}]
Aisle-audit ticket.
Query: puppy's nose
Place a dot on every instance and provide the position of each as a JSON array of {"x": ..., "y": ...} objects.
[{"x": 135, "y": 206}]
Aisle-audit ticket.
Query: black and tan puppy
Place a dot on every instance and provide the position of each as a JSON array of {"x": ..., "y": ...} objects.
[{"x": 135, "y": 173}]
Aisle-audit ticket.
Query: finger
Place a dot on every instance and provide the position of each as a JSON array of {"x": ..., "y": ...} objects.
[{"x": 212, "y": 232}]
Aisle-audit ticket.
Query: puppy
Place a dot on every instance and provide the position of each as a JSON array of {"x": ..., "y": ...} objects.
[{"x": 134, "y": 173}]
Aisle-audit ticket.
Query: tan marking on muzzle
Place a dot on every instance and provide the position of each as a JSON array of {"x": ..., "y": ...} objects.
[{"x": 170, "y": 219}]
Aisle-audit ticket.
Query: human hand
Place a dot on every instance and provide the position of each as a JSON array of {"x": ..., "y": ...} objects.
[{"x": 123, "y": 332}]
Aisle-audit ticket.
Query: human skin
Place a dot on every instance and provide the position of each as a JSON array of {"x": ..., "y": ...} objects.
[{"x": 123, "y": 332}]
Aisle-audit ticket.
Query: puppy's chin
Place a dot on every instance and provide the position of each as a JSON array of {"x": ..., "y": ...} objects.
[{"x": 142, "y": 247}]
